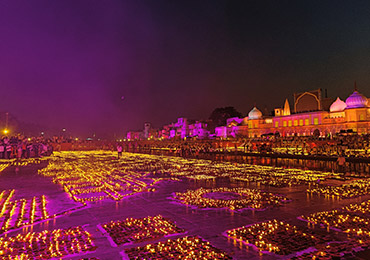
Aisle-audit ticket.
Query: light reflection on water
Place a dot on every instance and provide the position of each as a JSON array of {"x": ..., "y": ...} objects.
[{"x": 322, "y": 165}]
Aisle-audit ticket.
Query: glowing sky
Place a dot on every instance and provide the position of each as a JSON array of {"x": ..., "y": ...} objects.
[{"x": 67, "y": 63}]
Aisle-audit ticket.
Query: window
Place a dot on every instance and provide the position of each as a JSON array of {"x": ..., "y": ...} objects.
[
  {"x": 276, "y": 124},
  {"x": 315, "y": 121},
  {"x": 295, "y": 122},
  {"x": 268, "y": 121},
  {"x": 301, "y": 122},
  {"x": 284, "y": 123},
  {"x": 362, "y": 117},
  {"x": 306, "y": 121},
  {"x": 290, "y": 123}
]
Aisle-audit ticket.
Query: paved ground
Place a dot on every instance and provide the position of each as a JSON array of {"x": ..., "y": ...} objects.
[{"x": 208, "y": 224}]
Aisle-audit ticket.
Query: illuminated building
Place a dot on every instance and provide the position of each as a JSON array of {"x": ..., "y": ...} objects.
[
  {"x": 146, "y": 133},
  {"x": 199, "y": 130},
  {"x": 183, "y": 128},
  {"x": 312, "y": 115}
]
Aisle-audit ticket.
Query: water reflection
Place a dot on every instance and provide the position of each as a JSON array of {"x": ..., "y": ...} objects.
[
  {"x": 322, "y": 165},
  {"x": 329, "y": 164}
]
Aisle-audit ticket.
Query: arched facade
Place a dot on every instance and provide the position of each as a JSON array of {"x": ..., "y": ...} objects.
[
  {"x": 307, "y": 101},
  {"x": 355, "y": 117}
]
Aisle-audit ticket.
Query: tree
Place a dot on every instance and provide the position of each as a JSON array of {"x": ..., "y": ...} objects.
[{"x": 220, "y": 114}]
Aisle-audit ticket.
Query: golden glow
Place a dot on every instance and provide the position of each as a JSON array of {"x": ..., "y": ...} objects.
[
  {"x": 352, "y": 220},
  {"x": 268, "y": 120},
  {"x": 97, "y": 175},
  {"x": 46, "y": 244},
  {"x": 135, "y": 230},
  {"x": 272, "y": 236},
  {"x": 181, "y": 248},
  {"x": 18, "y": 213},
  {"x": 231, "y": 198},
  {"x": 348, "y": 190}
]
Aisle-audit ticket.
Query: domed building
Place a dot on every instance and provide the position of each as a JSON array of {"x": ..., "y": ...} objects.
[
  {"x": 338, "y": 106},
  {"x": 255, "y": 113},
  {"x": 357, "y": 112},
  {"x": 313, "y": 114},
  {"x": 356, "y": 100},
  {"x": 337, "y": 109},
  {"x": 257, "y": 123},
  {"x": 352, "y": 115}
]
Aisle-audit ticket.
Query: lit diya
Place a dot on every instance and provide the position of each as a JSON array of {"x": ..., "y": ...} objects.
[{"x": 231, "y": 198}]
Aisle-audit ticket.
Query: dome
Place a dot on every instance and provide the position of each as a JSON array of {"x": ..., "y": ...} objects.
[
  {"x": 254, "y": 114},
  {"x": 356, "y": 100},
  {"x": 338, "y": 105}
]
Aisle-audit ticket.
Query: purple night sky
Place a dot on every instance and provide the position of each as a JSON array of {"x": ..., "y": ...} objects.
[{"x": 67, "y": 63}]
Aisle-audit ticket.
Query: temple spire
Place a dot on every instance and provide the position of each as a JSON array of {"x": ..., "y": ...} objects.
[{"x": 286, "y": 111}]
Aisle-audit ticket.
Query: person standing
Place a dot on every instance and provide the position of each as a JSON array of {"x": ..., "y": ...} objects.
[
  {"x": 28, "y": 150},
  {"x": 341, "y": 163},
  {"x": 24, "y": 148},
  {"x": 2, "y": 150},
  {"x": 35, "y": 148},
  {"x": 119, "y": 150},
  {"x": 8, "y": 152},
  {"x": 19, "y": 151}
]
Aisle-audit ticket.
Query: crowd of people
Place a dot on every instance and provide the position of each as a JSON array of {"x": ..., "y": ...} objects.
[
  {"x": 341, "y": 145},
  {"x": 347, "y": 153},
  {"x": 22, "y": 147},
  {"x": 347, "y": 146},
  {"x": 342, "y": 148}
]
